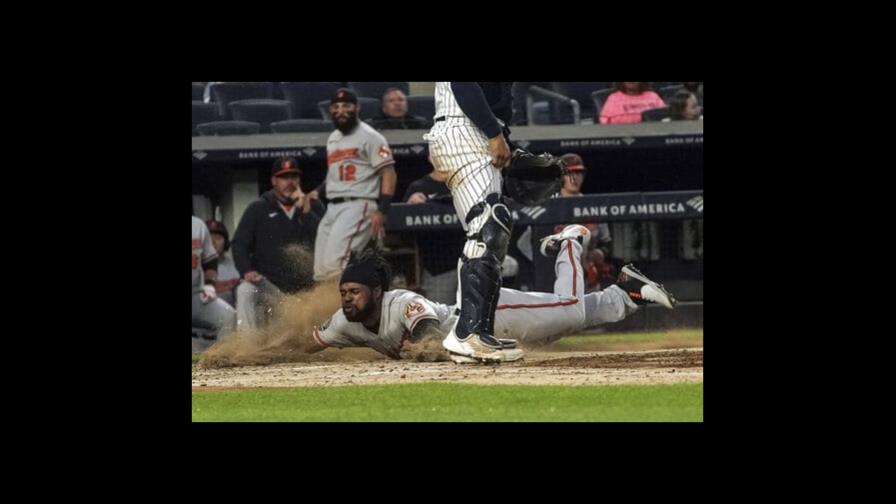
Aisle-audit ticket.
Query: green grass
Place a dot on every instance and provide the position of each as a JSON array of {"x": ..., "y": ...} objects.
[
  {"x": 676, "y": 338},
  {"x": 196, "y": 358},
  {"x": 451, "y": 402}
]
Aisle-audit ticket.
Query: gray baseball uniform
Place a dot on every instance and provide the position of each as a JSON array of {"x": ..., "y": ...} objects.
[
  {"x": 533, "y": 317},
  {"x": 353, "y": 179},
  {"x": 216, "y": 313}
]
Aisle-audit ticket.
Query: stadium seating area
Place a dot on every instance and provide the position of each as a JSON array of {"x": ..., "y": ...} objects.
[{"x": 237, "y": 108}]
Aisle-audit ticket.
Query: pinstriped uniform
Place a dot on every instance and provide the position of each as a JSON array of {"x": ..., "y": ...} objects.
[{"x": 459, "y": 149}]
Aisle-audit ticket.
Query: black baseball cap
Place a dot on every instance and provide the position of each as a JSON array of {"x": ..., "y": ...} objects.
[
  {"x": 285, "y": 165},
  {"x": 344, "y": 95}
]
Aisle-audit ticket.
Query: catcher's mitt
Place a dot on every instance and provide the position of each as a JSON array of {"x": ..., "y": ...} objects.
[{"x": 532, "y": 179}]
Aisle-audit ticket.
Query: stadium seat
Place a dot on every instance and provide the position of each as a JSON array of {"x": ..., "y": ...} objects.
[
  {"x": 376, "y": 89},
  {"x": 422, "y": 106},
  {"x": 655, "y": 115},
  {"x": 263, "y": 112},
  {"x": 203, "y": 113},
  {"x": 304, "y": 96},
  {"x": 580, "y": 92},
  {"x": 226, "y": 92},
  {"x": 370, "y": 108},
  {"x": 220, "y": 128},
  {"x": 198, "y": 90},
  {"x": 302, "y": 126},
  {"x": 668, "y": 92}
]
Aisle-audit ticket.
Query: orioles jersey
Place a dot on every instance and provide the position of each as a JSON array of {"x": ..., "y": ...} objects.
[{"x": 354, "y": 162}]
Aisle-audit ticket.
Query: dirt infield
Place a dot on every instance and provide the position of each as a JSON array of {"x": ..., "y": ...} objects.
[{"x": 363, "y": 366}]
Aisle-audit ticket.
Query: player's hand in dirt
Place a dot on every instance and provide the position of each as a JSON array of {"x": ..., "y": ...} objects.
[
  {"x": 378, "y": 222},
  {"x": 417, "y": 197},
  {"x": 428, "y": 350},
  {"x": 253, "y": 277},
  {"x": 499, "y": 151}
]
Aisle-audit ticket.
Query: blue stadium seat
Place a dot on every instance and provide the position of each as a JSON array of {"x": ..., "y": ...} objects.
[
  {"x": 304, "y": 96},
  {"x": 370, "y": 108},
  {"x": 655, "y": 115},
  {"x": 668, "y": 92},
  {"x": 263, "y": 112},
  {"x": 203, "y": 113},
  {"x": 302, "y": 126},
  {"x": 219, "y": 128},
  {"x": 198, "y": 90},
  {"x": 422, "y": 106},
  {"x": 226, "y": 92},
  {"x": 376, "y": 89},
  {"x": 580, "y": 92}
]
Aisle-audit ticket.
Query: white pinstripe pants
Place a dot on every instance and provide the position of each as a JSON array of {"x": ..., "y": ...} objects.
[{"x": 459, "y": 149}]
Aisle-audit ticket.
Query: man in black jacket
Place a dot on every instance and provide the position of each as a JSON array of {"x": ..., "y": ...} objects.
[
  {"x": 395, "y": 113},
  {"x": 264, "y": 245}
]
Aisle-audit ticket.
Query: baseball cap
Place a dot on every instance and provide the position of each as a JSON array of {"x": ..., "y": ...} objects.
[
  {"x": 344, "y": 95},
  {"x": 573, "y": 162},
  {"x": 285, "y": 165}
]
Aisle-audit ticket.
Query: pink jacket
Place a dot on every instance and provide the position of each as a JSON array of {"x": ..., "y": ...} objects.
[{"x": 621, "y": 108}]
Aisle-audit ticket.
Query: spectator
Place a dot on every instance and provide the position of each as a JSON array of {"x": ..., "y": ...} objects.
[
  {"x": 595, "y": 261},
  {"x": 697, "y": 89},
  {"x": 626, "y": 104},
  {"x": 261, "y": 244},
  {"x": 228, "y": 276},
  {"x": 395, "y": 113},
  {"x": 683, "y": 107},
  {"x": 208, "y": 312}
]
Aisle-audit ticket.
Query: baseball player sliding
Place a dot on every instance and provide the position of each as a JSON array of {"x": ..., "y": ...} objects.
[
  {"x": 375, "y": 317},
  {"x": 360, "y": 184}
]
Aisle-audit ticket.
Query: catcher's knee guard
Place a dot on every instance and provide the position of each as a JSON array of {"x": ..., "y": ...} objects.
[
  {"x": 491, "y": 235},
  {"x": 480, "y": 274}
]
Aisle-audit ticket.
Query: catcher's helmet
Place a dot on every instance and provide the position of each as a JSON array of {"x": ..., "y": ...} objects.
[{"x": 219, "y": 227}]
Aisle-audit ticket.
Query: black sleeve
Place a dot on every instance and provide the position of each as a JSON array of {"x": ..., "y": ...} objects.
[
  {"x": 472, "y": 101},
  {"x": 244, "y": 239}
]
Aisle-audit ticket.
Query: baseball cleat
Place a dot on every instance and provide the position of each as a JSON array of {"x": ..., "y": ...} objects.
[
  {"x": 550, "y": 245},
  {"x": 509, "y": 355},
  {"x": 507, "y": 343},
  {"x": 642, "y": 289},
  {"x": 481, "y": 348}
]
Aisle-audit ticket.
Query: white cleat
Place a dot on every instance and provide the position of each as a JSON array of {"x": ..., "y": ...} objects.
[
  {"x": 649, "y": 290},
  {"x": 472, "y": 350},
  {"x": 550, "y": 245}
]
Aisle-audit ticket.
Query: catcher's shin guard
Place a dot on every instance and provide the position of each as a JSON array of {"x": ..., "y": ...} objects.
[{"x": 479, "y": 289}]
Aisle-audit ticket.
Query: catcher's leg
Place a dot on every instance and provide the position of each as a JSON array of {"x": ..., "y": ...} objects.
[{"x": 489, "y": 228}]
